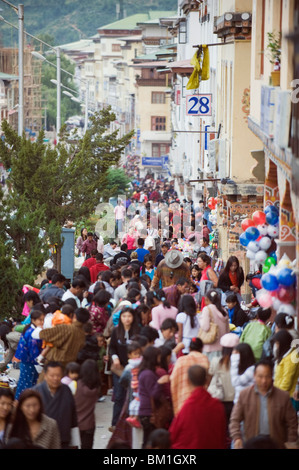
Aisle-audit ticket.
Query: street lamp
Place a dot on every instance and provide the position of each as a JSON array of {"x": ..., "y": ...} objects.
[{"x": 20, "y": 11}]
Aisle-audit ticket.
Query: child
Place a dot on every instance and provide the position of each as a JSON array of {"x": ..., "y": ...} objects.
[
  {"x": 101, "y": 364},
  {"x": 237, "y": 316},
  {"x": 167, "y": 333},
  {"x": 148, "y": 266},
  {"x": 257, "y": 332},
  {"x": 63, "y": 316},
  {"x": 196, "y": 274},
  {"x": 72, "y": 372},
  {"x": 129, "y": 378},
  {"x": 90, "y": 349}
]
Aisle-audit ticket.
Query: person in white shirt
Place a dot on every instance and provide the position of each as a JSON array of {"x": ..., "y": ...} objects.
[{"x": 78, "y": 288}]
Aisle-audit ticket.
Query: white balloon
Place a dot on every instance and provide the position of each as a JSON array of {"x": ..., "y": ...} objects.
[
  {"x": 250, "y": 254},
  {"x": 273, "y": 231},
  {"x": 253, "y": 246},
  {"x": 263, "y": 229},
  {"x": 265, "y": 243},
  {"x": 261, "y": 256},
  {"x": 276, "y": 303},
  {"x": 287, "y": 308}
]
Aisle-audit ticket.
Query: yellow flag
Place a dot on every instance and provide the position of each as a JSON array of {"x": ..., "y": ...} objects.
[{"x": 201, "y": 71}]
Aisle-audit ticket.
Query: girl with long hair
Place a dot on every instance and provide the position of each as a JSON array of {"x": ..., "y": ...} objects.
[
  {"x": 232, "y": 277},
  {"x": 187, "y": 321},
  {"x": 86, "y": 397},
  {"x": 121, "y": 335},
  {"x": 98, "y": 311},
  {"x": 213, "y": 311},
  {"x": 31, "y": 425},
  {"x": 207, "y": 273},
  {"x": 27, "y": 351}
]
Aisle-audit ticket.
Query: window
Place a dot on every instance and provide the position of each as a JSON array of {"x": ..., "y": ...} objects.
[
  {"x": 158, "y": 123},
  {"x": 158, "y": 97},
  {"x": 183, "y": 32},
  {"x": 116, "y": 48},
  {"x": 158, "y": 150}
]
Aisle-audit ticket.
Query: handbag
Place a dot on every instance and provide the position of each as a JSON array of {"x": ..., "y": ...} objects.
[
  {"x": 210, "y": 336},
  {"x": 216, "y": 388},
  {"x": 162, "y": 412}
]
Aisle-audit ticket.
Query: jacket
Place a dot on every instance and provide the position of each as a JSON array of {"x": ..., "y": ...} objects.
[
  {"x": 282, "y": 416},
  {"x": 222, "y": 322},
  {"x": 255, "y": 334},
  {"x": 287, "y": 372},
  {"x": 224, "y": 282}
]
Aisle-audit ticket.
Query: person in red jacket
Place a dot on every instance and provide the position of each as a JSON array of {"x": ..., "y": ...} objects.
[
  {"x": 99, "y": 266},
  {"x": 201, "y": 422}
]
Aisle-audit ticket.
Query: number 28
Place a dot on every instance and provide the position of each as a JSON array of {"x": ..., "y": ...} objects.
[{"x": 200, "y": 106}]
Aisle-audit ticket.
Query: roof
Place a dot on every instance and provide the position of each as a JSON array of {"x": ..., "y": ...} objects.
[
  {"x": 8, "y": 76},
  {"x": 130, "y": 22}
]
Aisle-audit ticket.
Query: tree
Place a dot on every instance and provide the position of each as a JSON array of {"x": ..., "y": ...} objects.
[
  {"x": 49, "y": 186},
  {"x": 117, "y": 182}
]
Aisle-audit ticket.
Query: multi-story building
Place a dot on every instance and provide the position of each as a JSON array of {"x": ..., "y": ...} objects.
[{"x": 274, "y": 114}]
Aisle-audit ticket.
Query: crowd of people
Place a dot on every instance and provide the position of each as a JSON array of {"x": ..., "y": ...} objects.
[{"x": 150, "y": 320}]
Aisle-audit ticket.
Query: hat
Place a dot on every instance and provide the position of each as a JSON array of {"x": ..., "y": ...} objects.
[
  {"x": 230, "y": 340},
  {"x": 174, "y": 259}
]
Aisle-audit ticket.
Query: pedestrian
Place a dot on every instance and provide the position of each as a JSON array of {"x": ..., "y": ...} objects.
[
  {"x": 88, "y": 245},
  {"x": 119, "y": 213},
  {"x": 179, "y": 385},
  {"x": 55, "y": 289},
  {"x": 242, "y": 364},
  {"x": 90, "y": 349},
  {"x": 98, "y": 311},
  {"x": 89, "y": 262},
  {"x": 148, "y": 388},
  {"x": 141, "y": 251},
  {"x": 130, "y": 239},
  {"x": 98, "y": 267},
  {"x": 282, "y": 321},
  {"x": 123, "y": 255},
  {"x": 205, "y": 246},
  {"x": 161, "y": 309},
  {"x": 148, "y": 267},
  {"x": 58, "y": 402},
  {"x": 264, "y": 410},
  {"x": 120, "y": 337},
  {"x": 6, "y": 407},
  {"x": 121, "y": 291},
  {"x": 208, "y": 275},
  {"x": 71, "y": 376},
  {"x": 77, "y": 289},
  {"x": 173, "y": 293},
  {"x": 237, "y": 316},
  {"x": 67, "y": 340},
  {"x": 32, "y": 425},
  {"x": 187, "y": 320},
  {"x": 80, "y": 240},
  {"x": 86, "y": 397},
  {"x": 256, "y": 332},
  {"x": 221, "y": 385},
  {"x": 171, "y": 269},
  {"x": 213, "y": 311},
  {"x": 164, "y": 250},
  {"x": 232, "y": 278},
  {"x": 27, "y": 351},
  {"x": 286, "y": 370},
  {"x": 200, "y": 423}
]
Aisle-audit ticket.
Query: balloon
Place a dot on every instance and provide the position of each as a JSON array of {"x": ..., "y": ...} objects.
[
  {"x": 263, "y": 229},
  {"x": 270, "y": 261},
  {"x": 264, "y": 298},
  {"x": 269, "y": 282},
  {"x": 273, "y": 231},
  {"x": 272, "y": 209},
  {"x": 250, "y": 254},
  {"x": 259, "y": 217},
  {"x": 261, "y": 256},
  {"x": 287, "y": 308},
  {"x": 276, "y": 303},
  {"x": 253, "y": 246},
  {"x": 252, "y": 233},
  {"x": 243, "y": 240},
  {"x": 286, "y": 277},
  {"x": 272, "y": 218},
  {"x": 247, "y": 223},
  {"x": 265, "y": 243},
  {"x": 286, "y": 294}
]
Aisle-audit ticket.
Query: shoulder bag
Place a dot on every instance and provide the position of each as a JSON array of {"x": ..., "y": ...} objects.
[{"x": 210, "y": 336}]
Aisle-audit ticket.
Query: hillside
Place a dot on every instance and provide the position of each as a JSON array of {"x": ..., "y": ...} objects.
[{"x": 69, "y": 20}]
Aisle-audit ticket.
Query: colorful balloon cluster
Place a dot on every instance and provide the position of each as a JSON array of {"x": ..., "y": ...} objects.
[
  {"x": 278, "y": 287},
  {"x": 259, "y": 233},
  {"x": 212, "y": 202}
]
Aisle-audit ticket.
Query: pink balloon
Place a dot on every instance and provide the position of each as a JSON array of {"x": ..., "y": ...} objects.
[{"x": 264, "y": 298}]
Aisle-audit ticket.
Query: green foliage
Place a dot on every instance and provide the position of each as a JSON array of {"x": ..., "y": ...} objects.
[
  {"x": 274, "y": 47},
  {"x": 117, "y": 182},
  {"x": 49, "y": 186},
  {"x": 72, "y": 20}
]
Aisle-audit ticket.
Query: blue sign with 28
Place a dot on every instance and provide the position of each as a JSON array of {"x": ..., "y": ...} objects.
[{"x": 199, "y": 105}]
